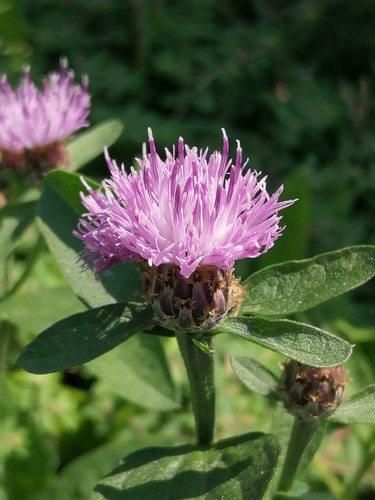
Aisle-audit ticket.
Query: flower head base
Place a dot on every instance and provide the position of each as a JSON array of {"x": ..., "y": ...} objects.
[
  {"x": 190, "y": 210},
  {"x": 309, "y": 392},
  {"x": 193, "y": 304},
  {"x": 35, "y": 123}
]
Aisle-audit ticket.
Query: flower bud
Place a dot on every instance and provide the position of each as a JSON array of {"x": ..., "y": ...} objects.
[
  {"x": 309, "y": 392},
  {"x": 194, "y": 304}
]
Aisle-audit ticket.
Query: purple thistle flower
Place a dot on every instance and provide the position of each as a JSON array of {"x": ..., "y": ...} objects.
[
  {"x": 190, "y": 210},
  {"x": 34, "y": 123}
]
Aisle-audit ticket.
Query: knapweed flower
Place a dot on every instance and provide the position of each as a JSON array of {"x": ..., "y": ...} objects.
[
  {"x": 309, "y": 392},
  {"x": 186, "y": 220},
  {"x": 35, "y": 123}
]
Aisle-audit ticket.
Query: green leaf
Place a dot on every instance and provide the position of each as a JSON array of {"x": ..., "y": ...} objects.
[
  {"x": 138, "y": 371},
  {"x": 14, "y": 220},
  {"x": 304, "y": 343},
  {"x": 77, "y": 480},
  {"x": 83, "y": 336},
  {"x": 359, "y": 409},
  {"x": 58, "y": 209},
  {"x": 89, "y": 144},
  {"x": 298, "y": 492},
  {"x": 238, "y": 468},
  {"x": 255, "y": 376},
  {"x": 300, "y": 285},
  {"x": 57, "y": 221},
  {"x": 203, "y": 345},
  {"x": 69, "y": 187},
  {"x": 24, "y": 308}
]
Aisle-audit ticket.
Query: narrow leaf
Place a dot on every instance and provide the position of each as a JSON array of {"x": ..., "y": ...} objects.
[
  {"x": 359, "y": 409},
  {"x": 91, "y": 143},
  {"x": 83, "y": 336},
  {"x": 304, "y": 343},
  {"x": 57, "y": 220},
  {"x": 300, "y": 285},
  {"x": 237, "y": 469},
  {"x": 69, "y": 186},
  {"x": 138, "y": 371},
  {"x": 255, "y": 376},
  {"x": 203, "y": 346}
]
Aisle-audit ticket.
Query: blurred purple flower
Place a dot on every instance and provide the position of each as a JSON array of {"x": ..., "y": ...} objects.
[
  {"x": 34, "y": 123},
  {"x": 190, "y": 210}
]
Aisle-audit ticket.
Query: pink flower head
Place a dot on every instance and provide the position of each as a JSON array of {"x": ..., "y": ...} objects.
[
  {"x": 190, "y": 210},
  {"x": 32, "y": 119}
]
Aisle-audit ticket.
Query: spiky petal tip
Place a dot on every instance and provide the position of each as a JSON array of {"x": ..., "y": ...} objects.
[{"x": 189, "y": 210}]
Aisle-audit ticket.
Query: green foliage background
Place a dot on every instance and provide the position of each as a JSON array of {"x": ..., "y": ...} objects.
[
  {"x": 294, "y": 82},
  {"x": 291, "y": 80}
]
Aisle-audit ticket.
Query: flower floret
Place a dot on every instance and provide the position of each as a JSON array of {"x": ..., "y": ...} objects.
[
  {"x": 190, "y": 210},
  {"x": 31, "y": 119}
]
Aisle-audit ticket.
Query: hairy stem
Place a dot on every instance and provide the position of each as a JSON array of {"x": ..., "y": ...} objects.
[
  {"x": 200, "y": 370},
  {"x": 302, "y": 433}
]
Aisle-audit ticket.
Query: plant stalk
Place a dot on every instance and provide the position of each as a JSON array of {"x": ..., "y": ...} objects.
[
  {"x": 301, "y": 435},
  {"x": 200, "y": 370}
]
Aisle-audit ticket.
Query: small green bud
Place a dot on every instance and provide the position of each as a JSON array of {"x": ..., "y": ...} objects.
[
  {"x": 195, "y": 304},
  {"x": 309, "y": 392}
]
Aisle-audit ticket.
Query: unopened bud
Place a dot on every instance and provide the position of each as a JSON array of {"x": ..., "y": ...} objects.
[
  {"x": 309, "y": 392},
  {"x": 194, "y": 304}
]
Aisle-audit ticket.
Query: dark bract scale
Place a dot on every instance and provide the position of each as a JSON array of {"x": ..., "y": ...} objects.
[
  {"x": 309, "y": 392},
  {"x": 196, "y": 303}
]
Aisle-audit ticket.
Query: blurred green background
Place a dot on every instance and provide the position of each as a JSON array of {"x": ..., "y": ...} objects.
[{"x": 294, "y": 82}]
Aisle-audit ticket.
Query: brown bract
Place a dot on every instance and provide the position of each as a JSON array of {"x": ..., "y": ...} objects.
[
  {"x": 309, "y": 392},
  {"x": 195, "y": 304}
]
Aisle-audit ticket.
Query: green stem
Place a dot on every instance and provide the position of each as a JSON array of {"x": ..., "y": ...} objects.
[
  {"x": 302, "y": 432},
  {"x": 200, "y": 370}
]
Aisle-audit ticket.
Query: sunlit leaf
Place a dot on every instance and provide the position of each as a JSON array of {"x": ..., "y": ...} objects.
[
  {"x": 77, "y": 479},
  {"x": 83, "y": 336},
  {"x": 239, "y": 468},
  {"x": 255, "y": 376},
  {"x": 300, "y": 285},
  {"x": 359, "y": 409},
  {"x": 89, "y": 144},
  {"x": 304, "y": 343},
  {"x": 69, "y": 186},
  {"x": 138, "y": 371},
  {"x": 57, "y": 220}
]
